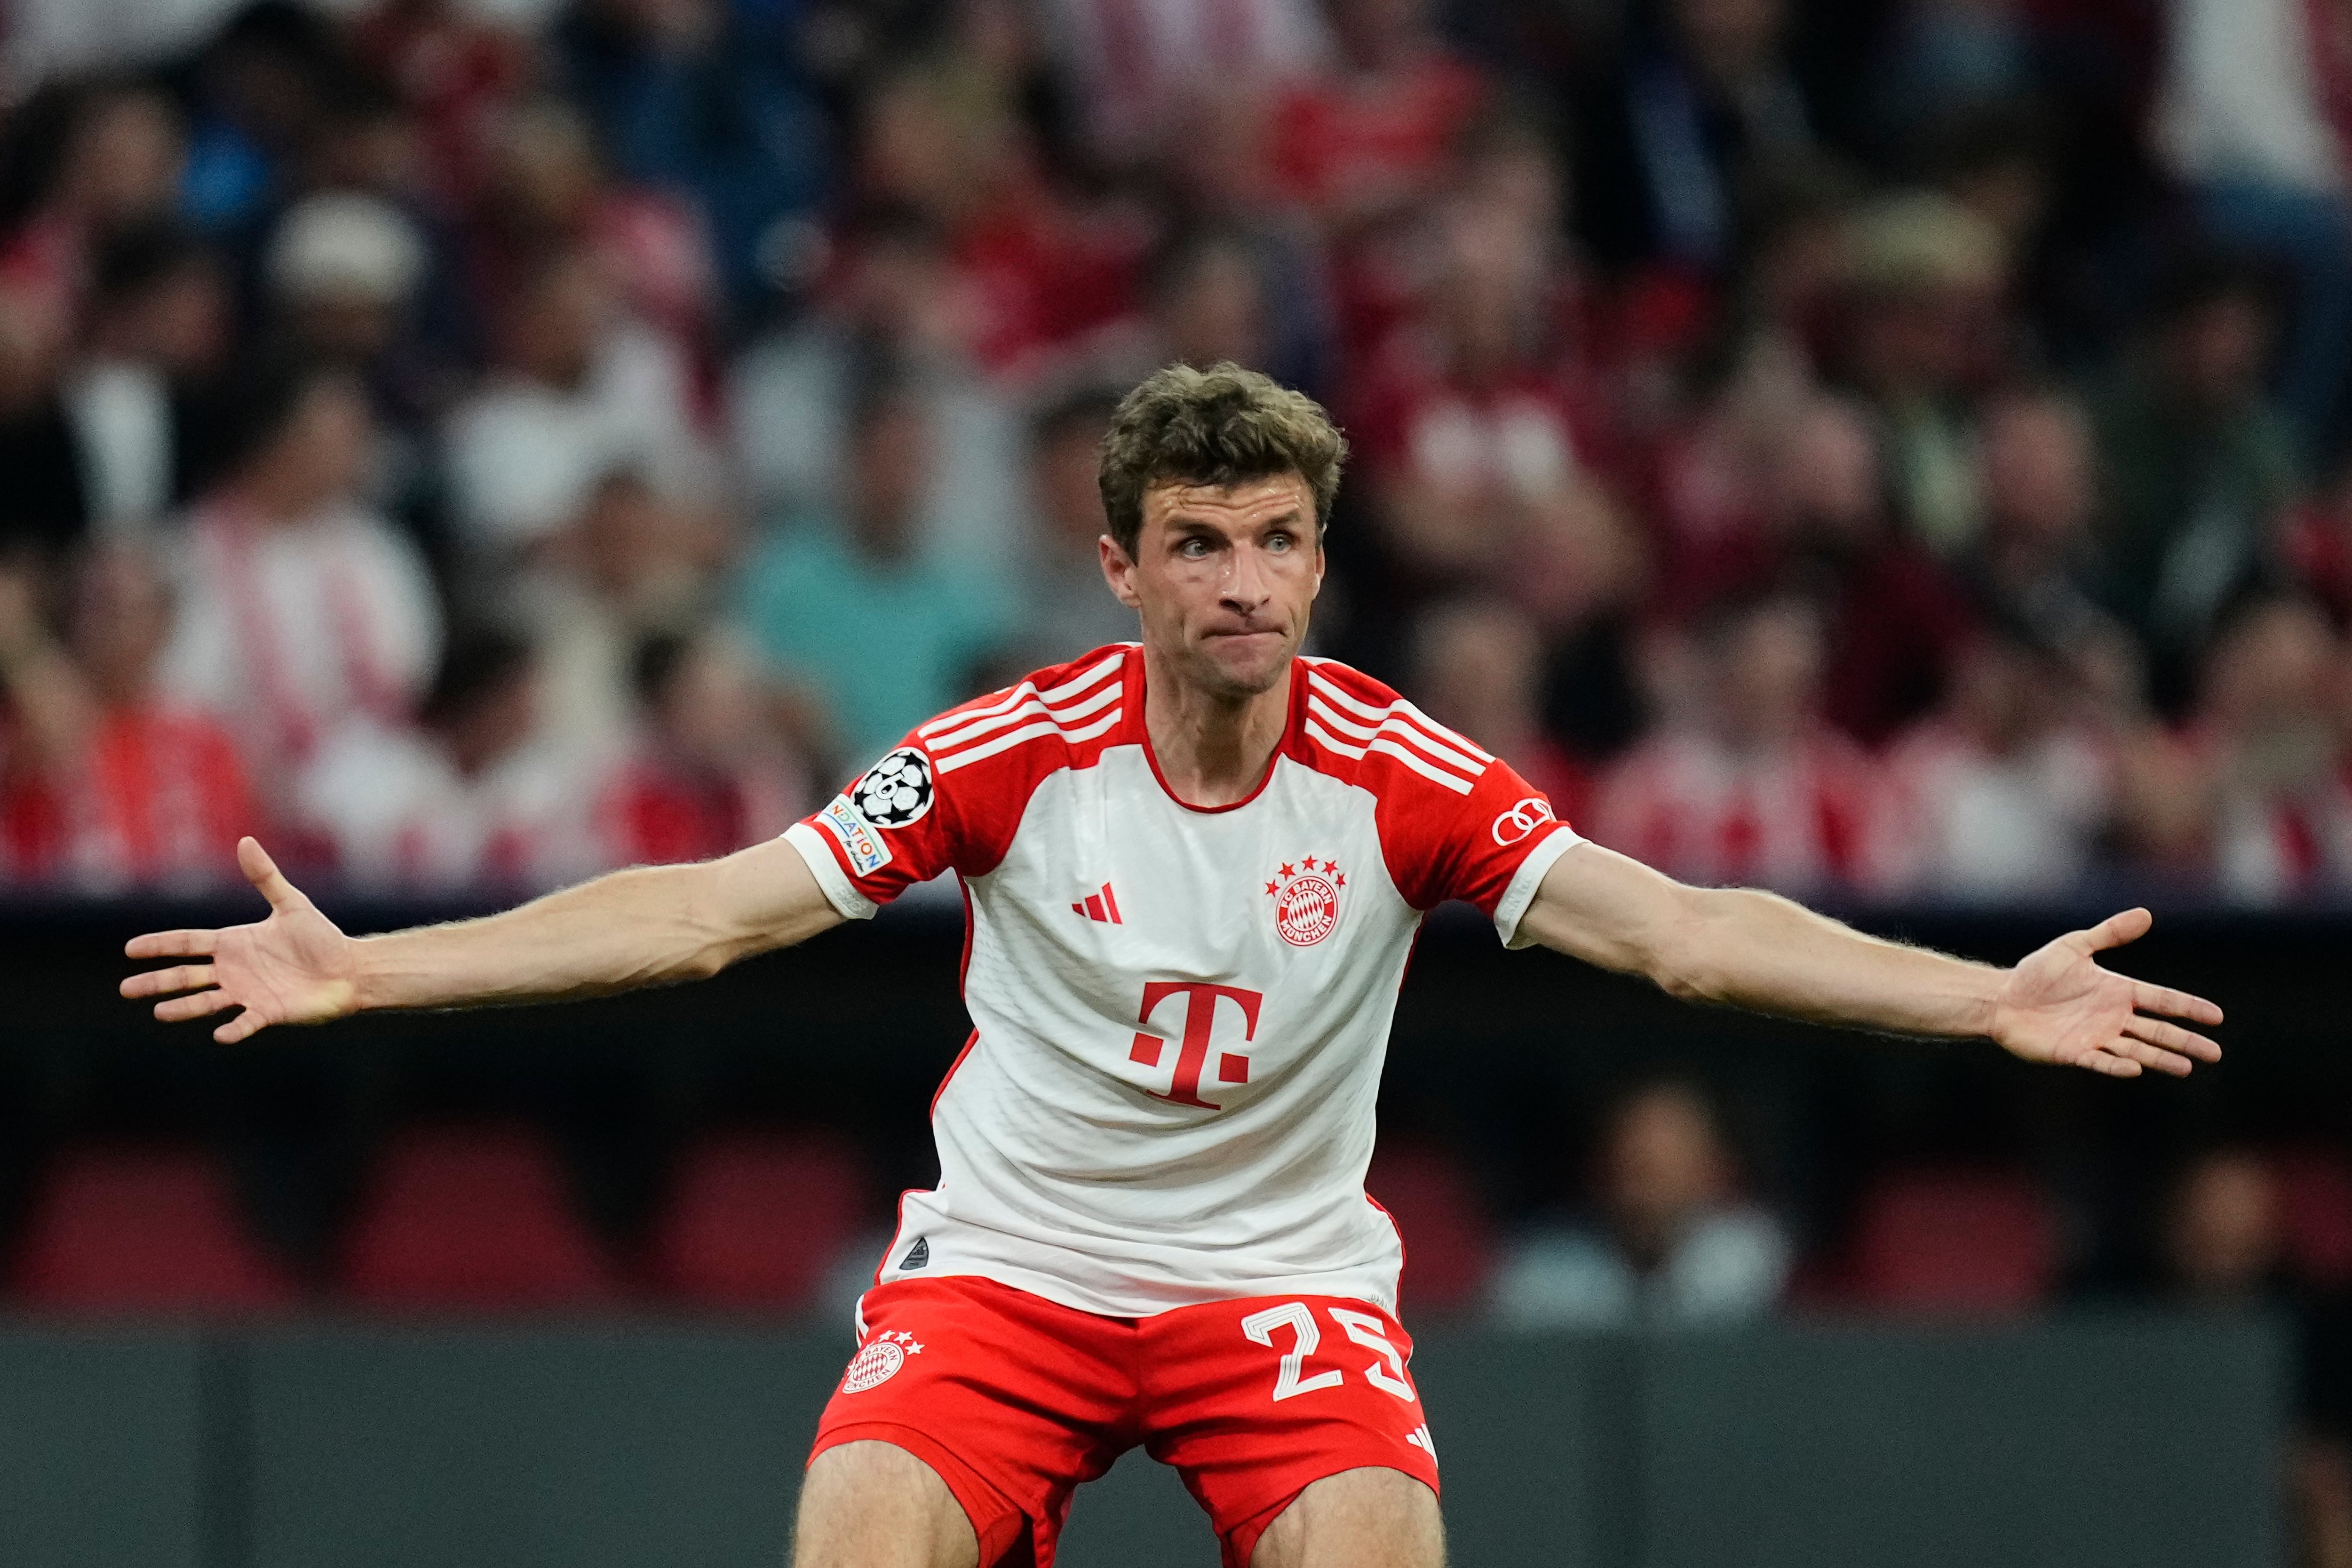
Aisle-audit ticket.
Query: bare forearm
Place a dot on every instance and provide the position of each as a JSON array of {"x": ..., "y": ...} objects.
[
  {"x": 1743, "y": 948},
  {"x": 651, "y": 926}
]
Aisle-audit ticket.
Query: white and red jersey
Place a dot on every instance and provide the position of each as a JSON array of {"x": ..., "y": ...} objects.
[{"x": 1180, "y": 1013}]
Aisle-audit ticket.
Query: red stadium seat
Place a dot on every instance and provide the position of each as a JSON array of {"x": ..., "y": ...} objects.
[
  {"x": 1449, "y": 1247},
  {"x": 472, "y": 1218},
  {"x": 2314, "y": 1194},
  {"x": 147, "y": 1228},
  {"x": 1954, "y": 1240},
  {"x": 756, "y": 1221}
]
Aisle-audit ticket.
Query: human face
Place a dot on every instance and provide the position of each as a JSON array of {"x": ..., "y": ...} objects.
[{"x": 1224, "y": 579}]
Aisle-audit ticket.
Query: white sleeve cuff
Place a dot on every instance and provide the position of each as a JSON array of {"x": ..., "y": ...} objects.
[
  {"x": 1526, "y": 879},
  {"x": 839, "y": 890}
]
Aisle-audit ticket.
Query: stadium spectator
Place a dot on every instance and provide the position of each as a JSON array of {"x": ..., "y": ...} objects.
[
  {"x": 579, "y": 390},
  {"x": 848, "y": 605},
  {"x": 156, "y": 332},
  {"x": 2003, "y": 791},
  {"x": 467, "y": 797},
  {"x": 1373, "y": 133},
  {"x": 458, "y": 72},
  {"x": 1474, "y": 420},
  {"x": 2222, "y": 1244},
  {"x": 710, "y": 771},
  {"x": 45, "y": 508},
  {"x": 1137, "y": 67},
  {"x": 1031, "y": 268},
  {"x": 1891, "y": 615},
  {"x": 1744, "y": 784},
  {"x": 895, "y": 303},
  {"x": 299, "y": 608},
  {"x": 86, "y": 158},
  {"x": 630, "y": 567},
  {"x": 1703, "y": 100},
  {"x": 704, "y": 99},
  {"x": 2034, "y": 566},
  {"x": 546, "y": 189},
  {"x": 1927, "y": 276},
  {"x": 1674, "y": 1242},
  {"x": 114, "y": 787},
  {"x": 1065, "y": 606},
  {"x": 343, "y": 270},
  {"x": 1477, "y": 668},
  {"x": 2252, "y": 118},
  {"x": 2198, "y": 464},
  {"x": 2268, "y": 728}
]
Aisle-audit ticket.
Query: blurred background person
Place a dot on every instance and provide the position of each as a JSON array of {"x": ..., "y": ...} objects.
[
  {"x": 470, "y": 795},
  {"x": 1477, "y": 668},
  {"x": 2198, "y": 464},
  {"x": 1672, "y": 1242},
  {"x": 115, "y": 786},
  {"x": 2003, "y": 792},
  {"x": 711, "y": 769},
  {"x": 298, "y": 607},
  {"x": 846, "y": 604},
  {"x": 1066, "y": 607},
  {"x": 141, "y": 395},
  {"x": 1746, "y": 784}
]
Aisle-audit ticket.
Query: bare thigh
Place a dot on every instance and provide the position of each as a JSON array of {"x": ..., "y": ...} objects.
[
  {"x": 1368, "y": 1518},
  {"x": 875, "y": 1505}
]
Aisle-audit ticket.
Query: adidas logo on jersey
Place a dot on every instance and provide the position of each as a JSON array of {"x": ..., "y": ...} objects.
[
  {"x": 917, "y": 1255},
  {"x": 1099, "y": 906}
]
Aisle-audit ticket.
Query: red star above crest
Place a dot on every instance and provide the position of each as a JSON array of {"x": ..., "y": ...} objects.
[
  {"x": 1270, "y": 887},
  {"x": 1343, "y": 878},
  {"x": 1286, "y": 872}
]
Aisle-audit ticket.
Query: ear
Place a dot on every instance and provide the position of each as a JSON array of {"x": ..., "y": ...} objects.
[{"x": 1119, "y": 571}]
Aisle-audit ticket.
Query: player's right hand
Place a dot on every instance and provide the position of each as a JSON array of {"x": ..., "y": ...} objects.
[{"x": 293, "y": 967}]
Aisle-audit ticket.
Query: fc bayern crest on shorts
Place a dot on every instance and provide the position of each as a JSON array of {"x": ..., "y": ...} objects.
[
  {"x": 896, "y": 791},
  {"x": 1305, "y": 894},
  {"x": 879, "y": 1362}
]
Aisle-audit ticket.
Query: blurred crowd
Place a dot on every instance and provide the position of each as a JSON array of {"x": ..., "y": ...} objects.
[{"x": 1887, "y": 448}]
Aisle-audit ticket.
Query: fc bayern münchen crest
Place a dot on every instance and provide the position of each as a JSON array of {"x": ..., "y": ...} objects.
[
  {"x": 1305, "y": 895},
  {"x": 896, "y": 791}
]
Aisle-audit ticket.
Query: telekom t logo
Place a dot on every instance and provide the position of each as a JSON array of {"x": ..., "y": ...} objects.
[{"x": 1200, "y": 1000}]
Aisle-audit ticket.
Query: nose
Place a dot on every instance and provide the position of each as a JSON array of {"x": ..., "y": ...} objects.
[{"x": 1245, "y": 583}]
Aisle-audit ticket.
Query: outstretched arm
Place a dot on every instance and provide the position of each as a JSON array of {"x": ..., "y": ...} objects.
[
  {"x": 648, "y": 926},
  {"x": 1757, "y": 950}
]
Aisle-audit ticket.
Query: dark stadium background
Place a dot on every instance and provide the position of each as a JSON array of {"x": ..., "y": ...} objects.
[{"x": 1889, "y": 450}]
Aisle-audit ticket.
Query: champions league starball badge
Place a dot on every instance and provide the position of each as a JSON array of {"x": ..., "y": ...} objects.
[{"x": 897, "y": 791}]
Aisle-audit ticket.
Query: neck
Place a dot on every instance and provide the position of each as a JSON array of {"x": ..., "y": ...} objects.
[{"x": 1212, "y": 749}]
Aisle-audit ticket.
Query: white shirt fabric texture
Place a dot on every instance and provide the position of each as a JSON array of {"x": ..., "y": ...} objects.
[{"x": 1179, "y": 1014}]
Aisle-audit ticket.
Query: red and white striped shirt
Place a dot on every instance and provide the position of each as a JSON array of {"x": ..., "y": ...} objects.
[{"x": 1180, "y": 1013}]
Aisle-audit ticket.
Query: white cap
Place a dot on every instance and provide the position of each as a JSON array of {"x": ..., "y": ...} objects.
[{"x": 345, "y": 243}]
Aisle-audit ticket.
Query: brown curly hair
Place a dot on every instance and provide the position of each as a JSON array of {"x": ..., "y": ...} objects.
[{"x": 1223, "y": 426}]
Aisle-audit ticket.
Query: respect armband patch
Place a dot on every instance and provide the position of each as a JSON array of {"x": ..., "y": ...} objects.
[{"x": 868, "y": 854}]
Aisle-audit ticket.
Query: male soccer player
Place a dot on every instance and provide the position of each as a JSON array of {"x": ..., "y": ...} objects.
[{"x": 1193, "y": 868}]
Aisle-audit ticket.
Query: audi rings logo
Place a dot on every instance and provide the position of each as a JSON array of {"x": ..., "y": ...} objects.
[{"x": 1522, "y": 819}]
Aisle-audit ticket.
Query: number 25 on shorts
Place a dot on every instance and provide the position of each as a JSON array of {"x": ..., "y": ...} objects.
[{"x": 1386, "y": 1374}]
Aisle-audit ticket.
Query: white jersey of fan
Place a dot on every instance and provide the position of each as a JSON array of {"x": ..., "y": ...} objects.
[{"x": 1179, "y": 1013}]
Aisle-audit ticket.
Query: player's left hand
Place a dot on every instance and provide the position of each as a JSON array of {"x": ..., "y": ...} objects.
[{"x": 2059, "y": 1007}]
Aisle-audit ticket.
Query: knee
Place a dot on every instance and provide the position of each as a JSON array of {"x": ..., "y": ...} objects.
[
  {"x": 875, "y": 1505},
  {"x": 1365, "y": 1518}
]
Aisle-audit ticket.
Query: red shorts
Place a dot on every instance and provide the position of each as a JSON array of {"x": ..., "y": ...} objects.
[{"x": 1014, "y": 1400}]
